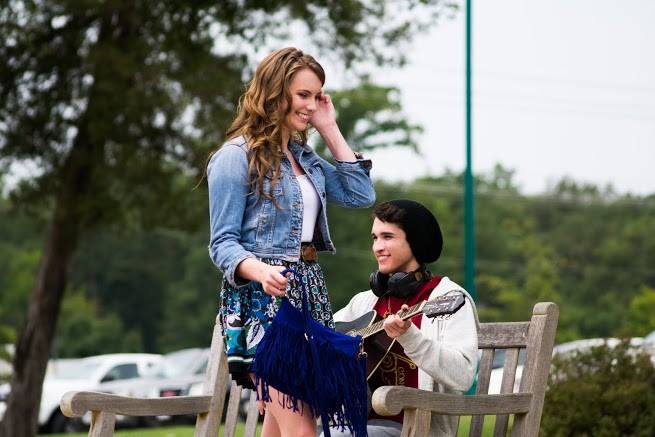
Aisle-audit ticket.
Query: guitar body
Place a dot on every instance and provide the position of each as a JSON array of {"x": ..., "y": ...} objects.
[
  {"x": 357, "y": 324},
  {"x": 377, "y": 345}
]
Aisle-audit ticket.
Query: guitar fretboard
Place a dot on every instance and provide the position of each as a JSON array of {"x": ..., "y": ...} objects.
[{"x": 377, "y": 326}]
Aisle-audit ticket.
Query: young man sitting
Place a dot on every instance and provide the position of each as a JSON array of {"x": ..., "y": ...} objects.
[{"x": 438, "y": 354}]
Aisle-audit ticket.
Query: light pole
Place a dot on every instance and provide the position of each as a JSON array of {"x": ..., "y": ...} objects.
[{"x": 469, "y": 193}]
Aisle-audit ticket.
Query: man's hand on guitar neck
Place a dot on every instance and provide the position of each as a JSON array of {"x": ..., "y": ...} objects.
[{"x": 394, "y": 325}]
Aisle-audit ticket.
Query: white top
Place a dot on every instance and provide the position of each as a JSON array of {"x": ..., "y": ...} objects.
[{"x": 311, "y": 207}]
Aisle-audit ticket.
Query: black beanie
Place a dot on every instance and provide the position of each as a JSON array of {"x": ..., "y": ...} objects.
[{"x": 422, "y": 230}]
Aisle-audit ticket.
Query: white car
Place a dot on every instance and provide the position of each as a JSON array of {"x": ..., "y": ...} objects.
[
  {"x": 650, "y": 338},
  {"x": 4, "y": 391},
  {"x": 180, "y": 373},
  {"x": 5, "y": 375},
  {"x": 563, "y": 350},
  {"x": 649, "y": 345},
  {"x": 496, "y": 376},
  {"x": 86, "y": 374},
  {"x": 174, "y": 376}
]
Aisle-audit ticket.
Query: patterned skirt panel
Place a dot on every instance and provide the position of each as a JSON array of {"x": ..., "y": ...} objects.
[{"x": 246, "y": 313}]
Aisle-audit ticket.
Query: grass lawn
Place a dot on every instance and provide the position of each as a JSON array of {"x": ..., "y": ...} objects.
[
  {"x": 187, "y": 431},
  {"x": 164, "y": 431}
]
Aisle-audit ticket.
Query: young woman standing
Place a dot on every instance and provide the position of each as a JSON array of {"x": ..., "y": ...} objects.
[{"x": 268, "y": 192}]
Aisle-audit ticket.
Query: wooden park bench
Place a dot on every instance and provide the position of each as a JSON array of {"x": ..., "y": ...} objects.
[{"x": 525, "y": 406}]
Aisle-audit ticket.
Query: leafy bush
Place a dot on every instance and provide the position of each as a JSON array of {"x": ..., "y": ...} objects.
[{"x": 601, "y": 392}]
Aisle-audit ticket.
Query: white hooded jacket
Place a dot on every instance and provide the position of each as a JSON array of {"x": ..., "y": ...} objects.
[{"x": 444, "y": 349}]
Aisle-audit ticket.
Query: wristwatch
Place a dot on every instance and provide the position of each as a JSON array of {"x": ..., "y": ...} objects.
[{"x": 366, "y": 163}]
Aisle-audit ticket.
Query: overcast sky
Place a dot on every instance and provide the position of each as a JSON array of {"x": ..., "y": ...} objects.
[{"x": 561, "y": 88}]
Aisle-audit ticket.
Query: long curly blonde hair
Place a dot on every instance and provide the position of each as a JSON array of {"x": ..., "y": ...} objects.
[{"x": 262, "y": 112}]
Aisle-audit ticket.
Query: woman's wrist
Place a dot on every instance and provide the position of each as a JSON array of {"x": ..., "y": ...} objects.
[
  {"x": 327, "y": 127},
  {"x": 262, "y": 268},
  {"x": 251, "y": 269},
  {"x": 336, "y": 143}
]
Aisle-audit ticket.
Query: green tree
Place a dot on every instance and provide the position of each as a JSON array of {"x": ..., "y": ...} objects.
[
  {"x": 601, "y": 392},
  {"x": 16, "y": 278},
  {"x": 641, "y": 312},
  {"x": 20, "y": 253},
  {"x": 192, "y": 301},
  {"x": 112, "y": 99},
  {"x": 86, "y": 330},
  {"x": 604, "y": 248},
  {"x": 128, "y": 272},
  {"x": 371, "y": 117}
]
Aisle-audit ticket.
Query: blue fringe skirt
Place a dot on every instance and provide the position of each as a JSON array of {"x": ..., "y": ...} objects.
[{"x": 247, "y": 312}]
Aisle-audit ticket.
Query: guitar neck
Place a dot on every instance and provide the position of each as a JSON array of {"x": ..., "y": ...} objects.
[{"x": 378, "y": 326}]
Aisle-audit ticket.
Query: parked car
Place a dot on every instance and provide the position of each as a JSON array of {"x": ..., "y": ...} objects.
[
  {"x": 562, "y": 350},
  {"x": 51, "y": 371},
  {"x": 649, "y": 346},
  {"x": 61, "y": 366},
  {"x": 196, "y": 389},
  {"x": 568, "y": 348},
  {"x": 86, "y": 374},
  {"x": 174, "y": 376},
  {"x": 6, "y": 370},
  {"x": 4, "y": 391},
  {"x": 180, "y": 373},
  {"x": 496, "y": 376}
]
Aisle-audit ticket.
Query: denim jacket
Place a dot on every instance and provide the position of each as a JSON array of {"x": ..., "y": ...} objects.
[{"x": 242, "y": 225}]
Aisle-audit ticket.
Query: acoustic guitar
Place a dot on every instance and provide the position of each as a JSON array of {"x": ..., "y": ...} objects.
[{"x": 376, "y": 341}]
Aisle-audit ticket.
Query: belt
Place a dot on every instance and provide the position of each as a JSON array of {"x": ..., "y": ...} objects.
[{"x": 308, "y": 253}]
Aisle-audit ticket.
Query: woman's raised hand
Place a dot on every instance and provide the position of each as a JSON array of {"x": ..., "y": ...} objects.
[{"x": 325, "y": 114}]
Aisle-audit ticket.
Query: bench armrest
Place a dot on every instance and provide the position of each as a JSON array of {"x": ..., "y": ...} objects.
[
  {"x": 391, "y": 400},
  {"x": 77, "y": 403}
]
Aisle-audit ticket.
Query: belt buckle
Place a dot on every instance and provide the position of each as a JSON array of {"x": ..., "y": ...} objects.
[{"x": 308, "y": 253}]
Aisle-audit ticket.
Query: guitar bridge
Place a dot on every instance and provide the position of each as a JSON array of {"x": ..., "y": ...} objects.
[{"x": 362, "y": 352}]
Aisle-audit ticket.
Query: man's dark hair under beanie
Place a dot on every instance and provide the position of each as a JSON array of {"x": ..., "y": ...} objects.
[{"x": 421, "y": 228}]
